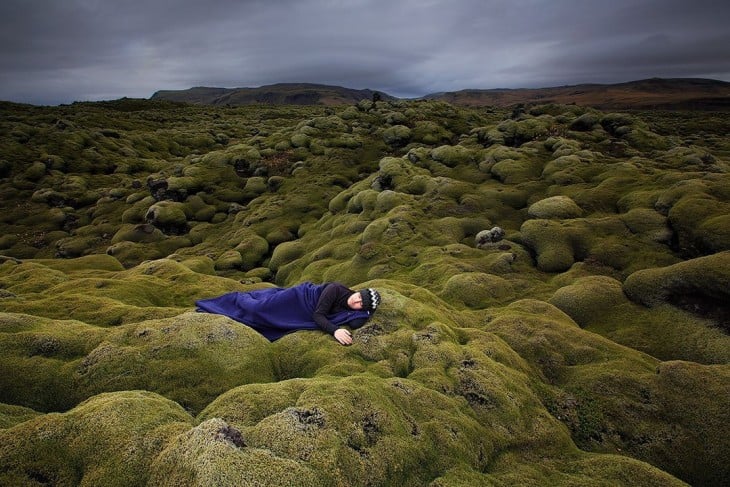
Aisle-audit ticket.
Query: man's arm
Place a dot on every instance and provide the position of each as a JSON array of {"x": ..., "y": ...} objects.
[{"x": 326, "y": 300}]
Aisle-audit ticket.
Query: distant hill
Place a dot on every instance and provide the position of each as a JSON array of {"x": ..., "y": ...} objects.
[
  {"x": 654, "y": 93},
  {"x": 277, "y": 94}
]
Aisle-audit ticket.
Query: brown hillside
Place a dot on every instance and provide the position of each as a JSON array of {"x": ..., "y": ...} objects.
[
  {"x": 654, "y": 93},
  {"x": 695, "y": 94},
  {"x": 278, "y": 94}
]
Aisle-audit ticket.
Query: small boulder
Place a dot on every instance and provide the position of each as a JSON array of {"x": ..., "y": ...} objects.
[{"x": 484, "y": 238}]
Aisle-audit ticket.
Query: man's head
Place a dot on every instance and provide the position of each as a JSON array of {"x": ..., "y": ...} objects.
[{"x": 370, "y": 299}]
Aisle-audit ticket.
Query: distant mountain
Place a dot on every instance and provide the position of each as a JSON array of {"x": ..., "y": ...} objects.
[
  {"x": 654, "y": 93},
  {"x": 277, "y": 94}
]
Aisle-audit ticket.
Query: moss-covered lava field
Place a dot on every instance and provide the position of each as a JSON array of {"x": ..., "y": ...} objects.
[{"x": 555, "y": 282}]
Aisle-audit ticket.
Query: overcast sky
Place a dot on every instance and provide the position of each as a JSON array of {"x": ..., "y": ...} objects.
[{"x": 60, "y": 51}]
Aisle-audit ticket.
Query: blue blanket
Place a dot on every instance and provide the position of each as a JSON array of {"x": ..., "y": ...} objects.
[{"x": 274, "y": 312}]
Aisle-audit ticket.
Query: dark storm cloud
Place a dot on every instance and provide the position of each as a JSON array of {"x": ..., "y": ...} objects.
[
  {"x": 630, "y": 40},
  {"x": 61, "y": 51}
]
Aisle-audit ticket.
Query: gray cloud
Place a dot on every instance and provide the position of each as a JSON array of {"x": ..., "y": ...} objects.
[{"x": 57, "y": 52}]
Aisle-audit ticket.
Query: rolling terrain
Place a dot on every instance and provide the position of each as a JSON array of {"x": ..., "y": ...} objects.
[{"x": 555, "y": 284}]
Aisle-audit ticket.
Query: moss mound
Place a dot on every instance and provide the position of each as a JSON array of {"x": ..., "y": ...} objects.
[
  {"x": 557, "y": 207},
  {"x": 74, "y": 448},
  {"x": 590, "y": 298},
  {"x": 701, "y": 279}
]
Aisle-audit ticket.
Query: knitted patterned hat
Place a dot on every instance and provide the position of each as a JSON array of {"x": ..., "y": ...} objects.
[{"x": 370, "y": 299}]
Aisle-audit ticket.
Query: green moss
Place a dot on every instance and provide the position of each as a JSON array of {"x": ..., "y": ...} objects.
[
  {"x": 577, "y": 361},
  {"x": 254, "y": 187},
  {"x": 144, "y": 233},
  {"x": 132, "y": 253},
  {"x": 199, "y": 209},
  {"x": 555, "y": 207},
  {"x": 648, "y": 223},
  {"x": 707, "y": 237},
  {"x": 284, "y": 253},
  {"x": 551, "y": 244},
  {"x": 12, "y": 415},
  {"x": 8, "y": 241},
  {"x": 71, "y": 247},
  {"x": 586, "y": 122},
  {"x": 398, "y": 135},
  {"x": 644, "y": 139},
  {"x": 230, "y": 259},
  {"x": 703, "y": 400},
  {"x": 683, "y": 336},
  {"x": 612, "y": 122},
  {"x": 680, "y": 188},
  {"x": 715, "y": 233},
  {"x": 701, "y": 278},
  {"x": 589, "y": 299},
  {"x": 361, "y": 420},
  {"x": 301, "y": 140},
  {"x": 251, "y": 248},
  {"x": 363, "y": 201},
  {"x": 516, "y": 133},
  {"x": 454, "y": 381},
  {"x": 577, "y": 469},
  {"x": 477, "y": 290},
  {"x": 453, "y": 155},
  {"x": 511, "y": 171},
  {"x": 167, "y": 215},
  {"x": 207, "y": 455},
  {"x": 564, "y": 169},
  {"x": 96, "y": 262},
  {"x": 199, "y": 264},
  {"x": 35, "y": 171},
  {"x": 430, "y": 132},
  {"x": 111, "y": 439},
  {"x": 404, "y": 177},
  {"x": 191, "y": 359}
]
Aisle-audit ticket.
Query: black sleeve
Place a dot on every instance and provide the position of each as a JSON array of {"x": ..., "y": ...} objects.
[
  {"x": 357, "y": 323},
  {"x": 327, "y": 300}
]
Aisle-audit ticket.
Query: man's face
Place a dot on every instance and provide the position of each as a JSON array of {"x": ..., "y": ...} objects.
[{"x": 355, "y": 301}]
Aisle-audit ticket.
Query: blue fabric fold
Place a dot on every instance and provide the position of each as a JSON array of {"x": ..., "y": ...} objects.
[{"x": 275, "y": 312}]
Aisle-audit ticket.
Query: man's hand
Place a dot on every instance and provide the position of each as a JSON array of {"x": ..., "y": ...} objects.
[{"x": 343, "y": 336}]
